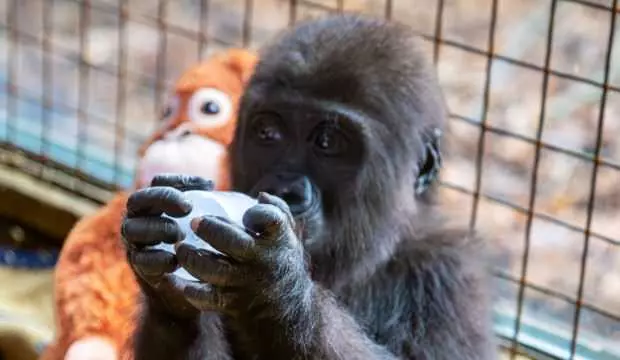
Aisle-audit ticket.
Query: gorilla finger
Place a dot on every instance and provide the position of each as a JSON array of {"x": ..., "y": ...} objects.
[
  {"x": 151, "y": 262},
  {"x": 265, "y": 198},
  {"x": 271, "y": 223},
  {"x": 225, "y": 236},
  {"x": 150, "y": 231},
  {"x": 183, "y": 182},
  {"x": 207, "y": 297},
  {"x": 157, "y": 200},
  {"x": 176, "y": 283},
  {"x": 209, "y": 267}
]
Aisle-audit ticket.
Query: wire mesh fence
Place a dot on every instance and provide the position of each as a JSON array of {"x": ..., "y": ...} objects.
[{"x": 533, "y": 87}]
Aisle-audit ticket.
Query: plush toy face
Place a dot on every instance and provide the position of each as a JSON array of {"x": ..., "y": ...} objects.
[{"x": 199, "y": 121}]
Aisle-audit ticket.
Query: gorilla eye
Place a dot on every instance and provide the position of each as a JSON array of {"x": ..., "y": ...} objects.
[
  {"x": 324, "y": 141},
  {"x": 269, "y": 134},
  {"x": 330, "y": 141},
  {"x": 210, "y": 108},
  {"x": 266, "y": 130}
]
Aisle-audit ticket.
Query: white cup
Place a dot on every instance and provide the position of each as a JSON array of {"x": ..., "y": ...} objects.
[{"x": 228, "y": 204}]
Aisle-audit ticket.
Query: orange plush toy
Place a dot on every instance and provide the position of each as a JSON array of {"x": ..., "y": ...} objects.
[{"x": 95, "y": 291}]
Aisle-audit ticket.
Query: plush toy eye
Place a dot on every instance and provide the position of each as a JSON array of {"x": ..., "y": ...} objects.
[
  {"x": 171, "y": 108},
  {"x": 209, "y": 106}
]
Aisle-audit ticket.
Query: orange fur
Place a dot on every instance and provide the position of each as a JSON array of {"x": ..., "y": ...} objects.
[
  {"x": 95, "y": 290},
  {"x": 233, "y": 69}
]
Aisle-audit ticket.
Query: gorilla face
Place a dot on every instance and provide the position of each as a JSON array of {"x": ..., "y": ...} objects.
[
  {"x": 308, "y": 155},
  {"x": 325, "y": 158},
  {"x": 332, "y": 136}
]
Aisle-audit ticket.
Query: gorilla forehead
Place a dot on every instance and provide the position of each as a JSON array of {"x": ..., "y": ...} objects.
[{"x": 367, "y": 64}]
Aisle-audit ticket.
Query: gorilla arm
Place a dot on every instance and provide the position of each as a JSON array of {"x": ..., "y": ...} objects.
[
  {"x": 266, "y": 287},
  {"x": 170, "y": 327},
  {"x": 435, "y": 309}
]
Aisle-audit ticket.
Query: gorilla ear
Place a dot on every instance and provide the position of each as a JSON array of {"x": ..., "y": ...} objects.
[
  {"x": 431, "y": 161},
  {"x": 241, "y": 61}
]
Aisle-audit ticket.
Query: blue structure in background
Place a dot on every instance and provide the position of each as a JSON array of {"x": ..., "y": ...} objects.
[{"x": 24, "y": 128}]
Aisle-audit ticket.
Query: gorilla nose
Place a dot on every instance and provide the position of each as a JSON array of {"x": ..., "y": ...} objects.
[{"x": 295, "y": 190}]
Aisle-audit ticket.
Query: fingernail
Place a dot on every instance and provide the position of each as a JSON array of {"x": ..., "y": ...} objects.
[
  {"x": 194, "y": 224},
  {"x": 263, "y": 196}
]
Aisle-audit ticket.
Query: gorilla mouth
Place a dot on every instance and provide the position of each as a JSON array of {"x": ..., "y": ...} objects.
[
  {"x": 302, "y": 204},
  {"x": 306, "y": 214},
  {"x": 301, "y": 212},
  {"x": 302, "y": 198}
]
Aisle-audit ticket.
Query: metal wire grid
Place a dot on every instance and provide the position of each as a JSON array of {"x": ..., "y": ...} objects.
[{"x": 72, "y": 177}]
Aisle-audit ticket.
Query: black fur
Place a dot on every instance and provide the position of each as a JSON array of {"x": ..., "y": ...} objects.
[{"x": 378, "y": 275}]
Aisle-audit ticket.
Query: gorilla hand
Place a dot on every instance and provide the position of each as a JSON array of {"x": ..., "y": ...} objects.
[
  {"x": 144, "y": 226},
  {"x": 264, "y": 268}
]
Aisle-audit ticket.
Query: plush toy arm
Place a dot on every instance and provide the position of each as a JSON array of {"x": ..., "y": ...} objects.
[{"x": 95, "y": 288}]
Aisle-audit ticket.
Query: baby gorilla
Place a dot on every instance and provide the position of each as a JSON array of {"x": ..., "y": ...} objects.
[{"x": 338, "y": 138}]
